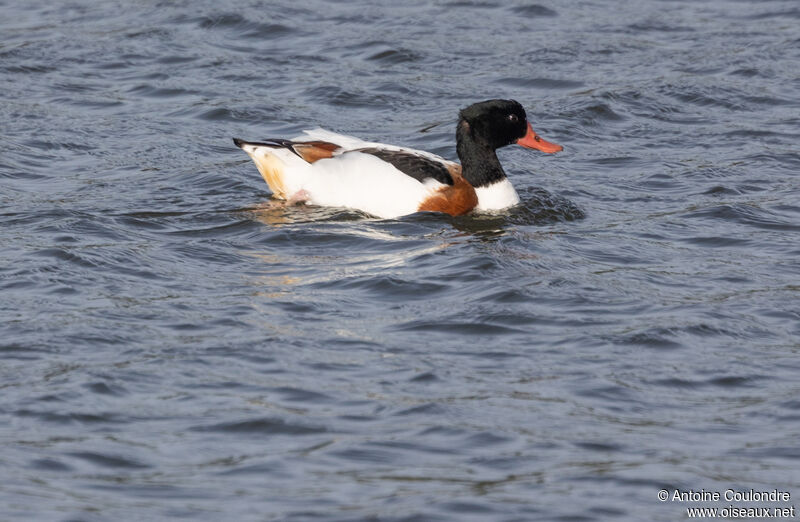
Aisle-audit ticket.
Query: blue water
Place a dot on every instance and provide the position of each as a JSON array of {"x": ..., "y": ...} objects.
[{"x": 174, "y": 344}]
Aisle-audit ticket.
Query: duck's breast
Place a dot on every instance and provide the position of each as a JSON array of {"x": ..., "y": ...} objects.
[{"x": 497, "y": 196}]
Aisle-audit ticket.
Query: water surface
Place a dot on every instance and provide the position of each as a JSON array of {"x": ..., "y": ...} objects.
[{"x": 175, "y": 344}]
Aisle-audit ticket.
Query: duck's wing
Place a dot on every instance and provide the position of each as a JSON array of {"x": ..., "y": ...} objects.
[
  {"x": 418, "y": 167},
  {"x": 418, "y": 164}
]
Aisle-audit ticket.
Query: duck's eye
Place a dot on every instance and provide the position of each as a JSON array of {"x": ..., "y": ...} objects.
[{"x": 513, "y": 118}]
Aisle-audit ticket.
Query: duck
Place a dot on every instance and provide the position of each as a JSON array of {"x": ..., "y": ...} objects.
[{"x": 325, "y": 168}]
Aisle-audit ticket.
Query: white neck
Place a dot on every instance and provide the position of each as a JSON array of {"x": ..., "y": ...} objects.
[{"x": 497, "y": 196}]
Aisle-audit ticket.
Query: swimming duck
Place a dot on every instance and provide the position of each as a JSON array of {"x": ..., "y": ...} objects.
[{"x": 325, "y": 168}]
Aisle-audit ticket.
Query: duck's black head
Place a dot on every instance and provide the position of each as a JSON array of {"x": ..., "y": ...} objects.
[
  {"x": 498, "y": 123},
  {"x": 485, "y": 127}
]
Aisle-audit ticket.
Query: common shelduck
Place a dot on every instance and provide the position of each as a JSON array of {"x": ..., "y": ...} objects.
[{"x": 325, "y": 168}]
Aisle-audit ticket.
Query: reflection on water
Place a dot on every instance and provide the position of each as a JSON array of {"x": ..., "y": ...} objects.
[
  {"x": 538, "y": 207},
  {"x": 278, "y": 212}
]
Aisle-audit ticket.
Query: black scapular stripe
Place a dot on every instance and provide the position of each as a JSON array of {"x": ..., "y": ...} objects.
[{"x": 418, "y": 167}]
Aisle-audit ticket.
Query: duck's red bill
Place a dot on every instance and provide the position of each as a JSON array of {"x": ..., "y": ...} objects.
[{"x": 531, "y": 140}]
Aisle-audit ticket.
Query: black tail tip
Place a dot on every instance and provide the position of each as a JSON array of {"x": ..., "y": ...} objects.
[{"x": 239, "y": 143}]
